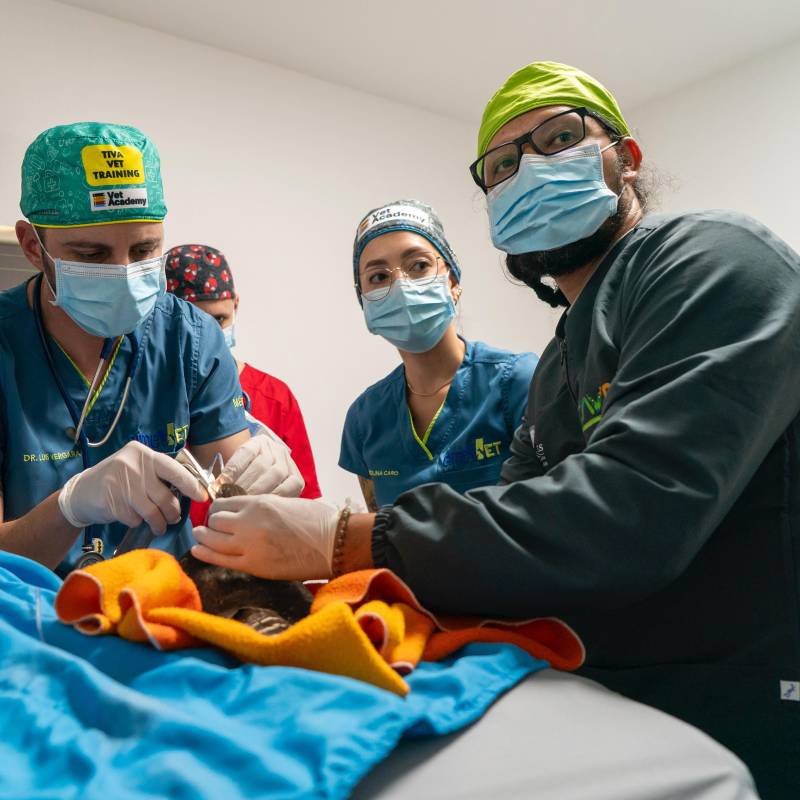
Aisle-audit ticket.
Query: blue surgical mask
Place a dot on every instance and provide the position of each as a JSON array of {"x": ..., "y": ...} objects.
[
  {"x": 414, "y": 315},
  {"x": 108, "y": 300},
  {"x": 230, "y": 335},
  {"x": 551, "y": 201}
]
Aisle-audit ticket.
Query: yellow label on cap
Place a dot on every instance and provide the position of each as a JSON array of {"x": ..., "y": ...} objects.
[{"x": 112, "y": 164}]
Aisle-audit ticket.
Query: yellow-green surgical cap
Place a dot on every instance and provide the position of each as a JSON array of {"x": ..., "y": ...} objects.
[{"x": 546, "y": 83}]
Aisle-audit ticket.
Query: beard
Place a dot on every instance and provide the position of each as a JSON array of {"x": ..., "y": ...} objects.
[{"x": 530, "y": 268}]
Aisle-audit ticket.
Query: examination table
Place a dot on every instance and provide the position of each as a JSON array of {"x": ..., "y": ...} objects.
[{"x": 556, "y": 736}]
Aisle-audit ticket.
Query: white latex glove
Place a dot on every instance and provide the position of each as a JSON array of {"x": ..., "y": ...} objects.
[
  {"x": 263, "y": 465},
  {"x": 130, "y": 487},
  {"x": 280, "y": 538}
]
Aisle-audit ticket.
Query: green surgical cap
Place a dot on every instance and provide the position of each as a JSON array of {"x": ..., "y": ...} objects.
[
  {"x": 546, "y": 83},
  {"x": 91, "y": 173}
]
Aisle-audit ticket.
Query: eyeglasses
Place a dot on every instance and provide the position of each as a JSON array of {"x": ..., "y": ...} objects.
[
  {"x": 560, "y": 132},
  {"x": 376, "y": 280}
]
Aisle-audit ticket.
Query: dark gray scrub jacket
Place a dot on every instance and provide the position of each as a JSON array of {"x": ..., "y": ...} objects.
[{"x": 652, "y": 498}]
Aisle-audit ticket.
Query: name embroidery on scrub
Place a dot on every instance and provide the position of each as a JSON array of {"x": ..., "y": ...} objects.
[
  {"x": 28, "y": 458},
  {"x": 384, "y": 473}
]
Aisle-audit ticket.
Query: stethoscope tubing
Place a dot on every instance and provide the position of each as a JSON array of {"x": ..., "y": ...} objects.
[{"x": 82, "y": 439}]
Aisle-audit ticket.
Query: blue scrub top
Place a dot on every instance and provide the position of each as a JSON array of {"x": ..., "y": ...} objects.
[
  {"x": 185, "y": 391},
  {"x": 468, "y": 440}
]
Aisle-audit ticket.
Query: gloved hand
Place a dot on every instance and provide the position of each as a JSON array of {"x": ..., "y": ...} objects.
[
  {"x": 263, "y": 465},
  {"x": 279, "y": 538},
  {"x": 130, "y": 487}
]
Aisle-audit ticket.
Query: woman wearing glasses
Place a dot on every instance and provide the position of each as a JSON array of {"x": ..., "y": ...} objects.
[{"x": 449, "y": 411}]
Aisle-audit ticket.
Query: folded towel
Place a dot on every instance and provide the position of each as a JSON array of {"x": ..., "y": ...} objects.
[
  {"x": 366, "y": 625},
  {"x": 404, "y": 632}
]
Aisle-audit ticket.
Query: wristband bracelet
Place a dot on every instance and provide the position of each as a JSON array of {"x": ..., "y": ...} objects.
[{"x": 338, "y": 541}]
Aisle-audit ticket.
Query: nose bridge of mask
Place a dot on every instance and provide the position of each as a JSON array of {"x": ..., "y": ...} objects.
[
  {"x": 405, "y": 289},
  {"x": 419, "y": 285},
  {"x": 570, "y": 154},
  {"x": 86, "y": 282},
  {"x": 574, "y": 163},
  {"x": 564, "y": 166},
  {"x": 86, "y": 269}
]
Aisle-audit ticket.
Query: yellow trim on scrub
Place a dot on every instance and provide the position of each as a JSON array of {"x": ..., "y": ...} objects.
[
  {"x": 83, "y": 377},
  {"x": 94, "y": 224},
  {"x": 423, "y": 442}
]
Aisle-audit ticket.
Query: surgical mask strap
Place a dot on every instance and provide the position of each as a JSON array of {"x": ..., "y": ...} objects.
[
  {"x": 44, "y": 272},
  {"x": 609, "y": 146},
  {"x": 54, "y": 301},
  {"x": 457, "y": 306}
]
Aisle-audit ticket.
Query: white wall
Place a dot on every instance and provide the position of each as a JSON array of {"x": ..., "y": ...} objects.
[
  {"x": 275, "y": 169},
  {"x": 730, "y": 141}
]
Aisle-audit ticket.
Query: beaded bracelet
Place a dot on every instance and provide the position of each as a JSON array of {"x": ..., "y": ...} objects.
[{"x": 338, "y": 542}]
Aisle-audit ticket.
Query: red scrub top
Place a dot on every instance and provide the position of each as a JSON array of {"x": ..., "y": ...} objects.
[{"x": 272, "y": 402}]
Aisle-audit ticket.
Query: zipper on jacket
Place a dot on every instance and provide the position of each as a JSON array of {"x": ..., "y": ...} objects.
[{"x": 562, "y": 346}]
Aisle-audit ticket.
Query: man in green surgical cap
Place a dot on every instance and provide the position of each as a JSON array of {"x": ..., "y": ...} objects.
[
  {"x": 652, "y": 495},
  {"x": 561, "y": 174},
  {"x": 104, "y": 377}
]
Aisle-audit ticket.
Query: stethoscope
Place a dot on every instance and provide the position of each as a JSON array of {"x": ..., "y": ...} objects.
[{"x": 90, "y": 552}]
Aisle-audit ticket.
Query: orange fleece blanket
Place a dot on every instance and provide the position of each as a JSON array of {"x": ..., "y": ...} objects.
[{"x": 366, "y": 625}]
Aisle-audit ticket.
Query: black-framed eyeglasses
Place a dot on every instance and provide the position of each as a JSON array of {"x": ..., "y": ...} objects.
[{"x": 560, "y": 132}]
